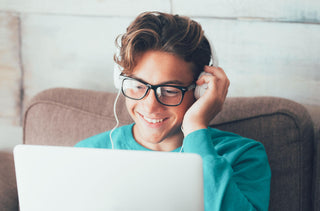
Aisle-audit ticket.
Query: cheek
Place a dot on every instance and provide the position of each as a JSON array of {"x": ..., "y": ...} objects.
[{"x": 130, "y": 104}]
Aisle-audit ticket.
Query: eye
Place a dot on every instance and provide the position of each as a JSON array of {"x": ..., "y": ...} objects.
[
  {"x": 139, "y": 86},
  {"x": 170, "y": 91},
  {"x": 132, "y": 84}
]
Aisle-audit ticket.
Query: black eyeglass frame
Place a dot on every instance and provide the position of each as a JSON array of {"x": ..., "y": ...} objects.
[{"x": 183, "y": 89}]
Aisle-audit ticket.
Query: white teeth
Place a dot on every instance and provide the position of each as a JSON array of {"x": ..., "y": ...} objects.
[{"x": 153, "y": 120}]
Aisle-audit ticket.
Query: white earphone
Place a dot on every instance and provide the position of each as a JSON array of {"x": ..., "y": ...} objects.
[
  {"x": 117, "y": 69},
  {"x": 200, "y": 90}
]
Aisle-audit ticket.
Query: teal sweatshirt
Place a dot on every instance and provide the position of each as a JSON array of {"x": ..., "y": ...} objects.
[{"x": 236, "y": 169}]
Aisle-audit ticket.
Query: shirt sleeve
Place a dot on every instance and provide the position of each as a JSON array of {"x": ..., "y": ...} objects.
[{"x": 236, "y": 171}]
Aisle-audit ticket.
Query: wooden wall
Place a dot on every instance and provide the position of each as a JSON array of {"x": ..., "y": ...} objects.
[{"x": 267, "y": 48}]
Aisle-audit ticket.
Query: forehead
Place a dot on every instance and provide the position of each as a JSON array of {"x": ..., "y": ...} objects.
[{"x": 156, "y": 67}]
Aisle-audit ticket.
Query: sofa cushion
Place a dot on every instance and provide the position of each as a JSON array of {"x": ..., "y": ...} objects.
[{"x": 65, "y": 116}]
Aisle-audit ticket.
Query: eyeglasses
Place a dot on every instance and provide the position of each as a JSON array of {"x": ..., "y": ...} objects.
[{"x": 168, "y": 95}]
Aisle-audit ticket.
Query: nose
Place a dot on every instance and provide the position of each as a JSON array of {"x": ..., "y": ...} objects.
[{"x": 150, "y": 102}]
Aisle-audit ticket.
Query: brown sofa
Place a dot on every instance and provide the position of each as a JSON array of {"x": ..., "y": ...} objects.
[{"x": 65, "y": 116}]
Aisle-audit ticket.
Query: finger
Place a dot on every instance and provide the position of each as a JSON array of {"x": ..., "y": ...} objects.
[
  {"x": 220, "y": 74},
  {"x": 217, "y": 82},
  {"x": 214, "y": 85},
  {"x": 207, "y": 78},
  {"x": 210, "y": 69},
  {"x": 216, "y": 71}
]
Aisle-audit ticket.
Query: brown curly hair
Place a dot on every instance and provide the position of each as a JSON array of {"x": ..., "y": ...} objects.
[{"x": 164, "y": 32}]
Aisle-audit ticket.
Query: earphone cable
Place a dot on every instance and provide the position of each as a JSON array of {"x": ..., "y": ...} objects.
[
  {"x": 182, "y": 141},
  {"x": 116, "y": 117}
]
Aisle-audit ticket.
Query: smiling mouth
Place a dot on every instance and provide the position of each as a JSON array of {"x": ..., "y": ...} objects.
[{"x": 153, "y": 121}]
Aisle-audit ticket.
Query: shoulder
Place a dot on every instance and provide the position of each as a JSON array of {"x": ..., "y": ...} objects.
[
  {"x": 224, "y": 138},
  {"x": 231, "y": 146},
  {"x": 235, "y": 147},
  {"x": 220, "y": 139},
  {"x": 96, "y": 141}
]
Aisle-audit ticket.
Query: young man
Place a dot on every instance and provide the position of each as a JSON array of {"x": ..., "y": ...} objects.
[{"x": 162, "y": 56}]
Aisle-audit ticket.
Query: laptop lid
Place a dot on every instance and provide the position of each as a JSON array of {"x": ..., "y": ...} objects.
[{"x": 55, "y": 178}]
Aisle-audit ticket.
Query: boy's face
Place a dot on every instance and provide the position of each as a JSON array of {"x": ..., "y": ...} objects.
[{"x": 158, "y": 127}]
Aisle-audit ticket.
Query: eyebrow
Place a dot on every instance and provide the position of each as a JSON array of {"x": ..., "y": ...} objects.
[{"x": 176, "y": 82}]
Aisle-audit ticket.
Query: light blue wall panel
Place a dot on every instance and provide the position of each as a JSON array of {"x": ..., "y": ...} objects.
[{"x": 269, "y": 10}]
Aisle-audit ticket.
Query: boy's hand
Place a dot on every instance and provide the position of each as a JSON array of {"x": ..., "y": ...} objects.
[{"x": 210, "y": 104}]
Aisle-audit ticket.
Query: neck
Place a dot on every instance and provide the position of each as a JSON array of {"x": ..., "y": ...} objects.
[{"x": 166, "y": 144}]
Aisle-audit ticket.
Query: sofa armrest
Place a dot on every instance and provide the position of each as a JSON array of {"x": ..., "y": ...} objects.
[
  {"x": 315, "y": 115},
  {"x": 8, "y": 187}
]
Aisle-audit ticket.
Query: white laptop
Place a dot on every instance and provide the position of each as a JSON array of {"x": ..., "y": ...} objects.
[{"x": 51, "y": 178}]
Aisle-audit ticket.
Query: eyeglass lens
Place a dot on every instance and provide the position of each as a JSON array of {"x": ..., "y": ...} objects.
[{"x": 167, "y": 95}]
